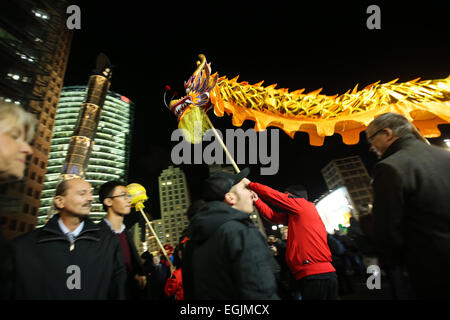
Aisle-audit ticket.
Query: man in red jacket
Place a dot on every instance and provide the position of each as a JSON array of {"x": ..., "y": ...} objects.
[{"x": 307, "y": 253}]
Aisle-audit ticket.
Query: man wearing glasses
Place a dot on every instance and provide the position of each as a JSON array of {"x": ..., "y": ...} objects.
[
  {"x": 116, "y": 202},
  {"x": 411, "y": 208}
]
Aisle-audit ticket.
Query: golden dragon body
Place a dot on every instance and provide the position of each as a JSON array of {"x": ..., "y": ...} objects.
[{"x": 425, "y": 103}]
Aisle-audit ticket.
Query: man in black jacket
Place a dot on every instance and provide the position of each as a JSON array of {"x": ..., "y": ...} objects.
[
  {"x": 116, "y": 201},
  {"x": 411, "y": 207},
  {"x": 70, "y": 257},
  {"x": 227, "y": 257}
]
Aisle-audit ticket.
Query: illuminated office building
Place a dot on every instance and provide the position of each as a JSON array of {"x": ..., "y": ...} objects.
[
  {"x": 109, "y": 159},
  {"x": 34, "y": 50},
  {"x": 175, "y": 200},
  {"x": 151, "y": 244},
  {"x": 351, "y": 173}
]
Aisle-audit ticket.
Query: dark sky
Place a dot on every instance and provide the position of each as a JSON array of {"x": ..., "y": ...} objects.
[{"x": 303, "y": 46}]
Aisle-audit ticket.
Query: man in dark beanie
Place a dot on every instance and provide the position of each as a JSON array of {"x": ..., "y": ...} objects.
[
  {"x": 227, "y": 257},
  {"x": 307, "y": 253}
]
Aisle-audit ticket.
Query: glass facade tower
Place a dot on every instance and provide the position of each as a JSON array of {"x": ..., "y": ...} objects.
[{"x": 109, "y": 159}]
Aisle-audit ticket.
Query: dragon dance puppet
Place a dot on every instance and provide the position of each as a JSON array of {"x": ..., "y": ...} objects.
[{"x": 425, "y": 103}]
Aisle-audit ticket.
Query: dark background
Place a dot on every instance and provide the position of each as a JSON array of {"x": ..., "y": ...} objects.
[{"x": 302, "y": 45}]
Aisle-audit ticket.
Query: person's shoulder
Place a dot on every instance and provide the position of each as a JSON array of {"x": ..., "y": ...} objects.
[
  {"x": 102, "y": 225},
  {"x": 26, "y": 238},
  {"x": 233, "y": 225},
  {"x": 301, "y": 202},
  {"x": 238, "y": 228},
  {"x": 394, "y": 161},
  {"x": 103, "y": 232},
  {"x": 439, "y": 151}
]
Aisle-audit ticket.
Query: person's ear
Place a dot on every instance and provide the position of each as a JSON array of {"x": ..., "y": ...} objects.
[
  {"x": 59, "y": 202},
  {"x": 230, "y": 199},
  {"x": 390, "y": 134},
  {"x": 107, "y": 202}
]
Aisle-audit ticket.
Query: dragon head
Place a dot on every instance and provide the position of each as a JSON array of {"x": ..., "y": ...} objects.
[{"x": 197, "y": 89}]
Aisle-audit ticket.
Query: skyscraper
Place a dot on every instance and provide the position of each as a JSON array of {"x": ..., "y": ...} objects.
[
  {"x": 175, "y": 200},
  {"x": 109, "y": 159},
  {"x": 34, "y": 51},
  {"x": 351, "y": 173}
]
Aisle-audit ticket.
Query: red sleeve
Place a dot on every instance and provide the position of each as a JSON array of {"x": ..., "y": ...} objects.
[
  {"x": 269, "y": 214},
  {"x": 279, "y": 199}
]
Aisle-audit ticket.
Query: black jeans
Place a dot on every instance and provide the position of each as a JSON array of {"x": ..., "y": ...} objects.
[{"x": 322, "y": 286}]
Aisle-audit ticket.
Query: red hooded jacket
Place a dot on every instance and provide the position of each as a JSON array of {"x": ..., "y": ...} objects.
[{"x": 307, "y": 251}]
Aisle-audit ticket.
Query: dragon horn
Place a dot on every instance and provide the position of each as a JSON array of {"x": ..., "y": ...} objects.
[
  {"x": 192, "y": 80},
  {"x": 200, "y": 63}
]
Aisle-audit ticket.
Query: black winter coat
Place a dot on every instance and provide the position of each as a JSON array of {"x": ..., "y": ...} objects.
[
  {"x": 132, "y": 290},
  {"x": 226, "y": 257},
  {"x": 412, "y": 211},
  {"x": 46, "y": 268}
]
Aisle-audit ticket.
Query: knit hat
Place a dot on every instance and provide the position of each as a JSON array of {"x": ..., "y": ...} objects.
[{"x": 218, "y": 184}]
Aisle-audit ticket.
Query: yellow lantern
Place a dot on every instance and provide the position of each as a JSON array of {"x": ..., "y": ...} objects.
[{"x": 138, "y": 194}]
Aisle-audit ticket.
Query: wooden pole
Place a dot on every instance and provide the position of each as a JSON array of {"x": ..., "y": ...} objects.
[
  {"x": 156, "y": 237},
  {"x": 223, "y": 146}
]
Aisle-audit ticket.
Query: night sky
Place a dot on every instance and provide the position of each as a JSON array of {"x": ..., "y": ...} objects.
[{"x": 304, "y": 46}]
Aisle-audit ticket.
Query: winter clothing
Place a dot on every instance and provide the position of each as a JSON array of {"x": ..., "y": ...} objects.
[
  {"x": 307, "y": 251},
  {"x": 157, "y": 281},
  {"x": 6, "y": 268},
  {"x": 226, "y": 257},
  {"x": 49, "y": 266},
  {"x": 322, "y": 286},
  {"x": 174, "y": 285},
  {"x": 131, "y": 258},
  {"x": 411, "y": 212}
]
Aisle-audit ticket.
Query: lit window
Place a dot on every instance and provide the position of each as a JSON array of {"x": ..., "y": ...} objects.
[{"x": 41, "y": 14}]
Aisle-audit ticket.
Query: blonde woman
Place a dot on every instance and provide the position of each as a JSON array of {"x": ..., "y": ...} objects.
[{"x": 17, "y": 129}]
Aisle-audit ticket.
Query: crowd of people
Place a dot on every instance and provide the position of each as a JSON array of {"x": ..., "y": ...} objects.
[{"x": 222, "y": 255}]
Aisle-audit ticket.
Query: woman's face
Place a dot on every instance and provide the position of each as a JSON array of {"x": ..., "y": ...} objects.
[{"x": 13, "y": 152}]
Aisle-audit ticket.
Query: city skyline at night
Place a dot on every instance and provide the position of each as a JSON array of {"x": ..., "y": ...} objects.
[{"x": 310, "y": 46}]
